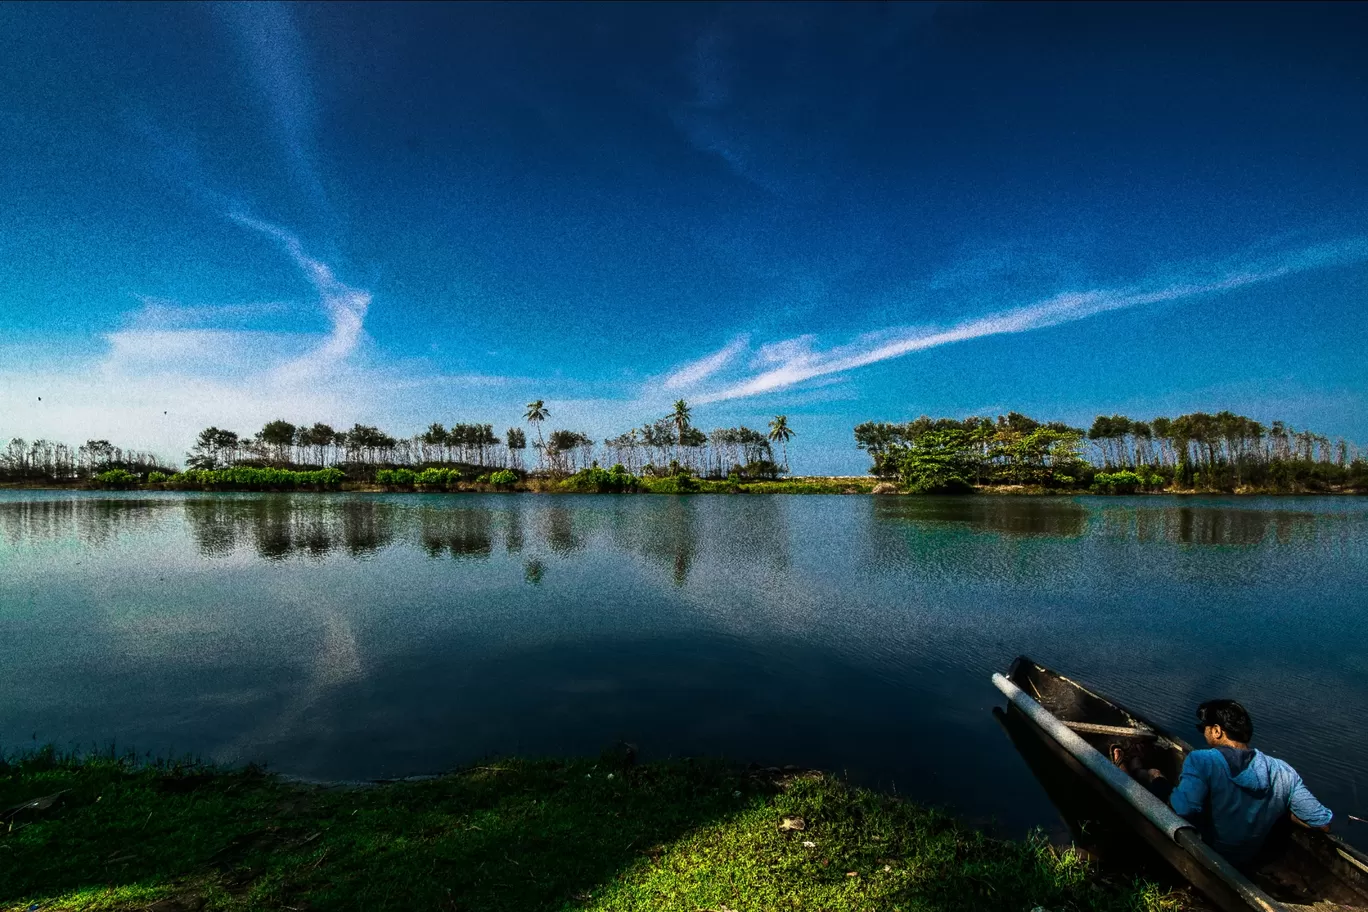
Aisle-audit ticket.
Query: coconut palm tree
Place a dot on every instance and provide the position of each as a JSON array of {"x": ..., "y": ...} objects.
[
  {"x": 680, "y": 419},
  {"x": 780, "y": 431},
  {"x": 536, "y": 414}
]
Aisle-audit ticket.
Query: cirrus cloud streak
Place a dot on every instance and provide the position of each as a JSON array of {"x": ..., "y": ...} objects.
[{"x": 786, "y": 363}]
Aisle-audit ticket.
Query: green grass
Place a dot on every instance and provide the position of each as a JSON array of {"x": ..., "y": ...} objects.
[
  {"x": 804, "y": 485},
  {"x": 511, "y": 835}
]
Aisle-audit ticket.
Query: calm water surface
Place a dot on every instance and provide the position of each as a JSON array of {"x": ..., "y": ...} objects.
[{"x": 359, "y": 636}]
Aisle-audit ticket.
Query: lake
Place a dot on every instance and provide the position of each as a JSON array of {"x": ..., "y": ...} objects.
[{"x": 341, "y": 636}]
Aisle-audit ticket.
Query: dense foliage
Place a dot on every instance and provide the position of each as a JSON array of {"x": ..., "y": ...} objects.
[
  {"x": 434, "y": 479},
  {"x": 1117, "y": 454},
  {"x": 116, "y": 478},
  {"x": 1222, "y": 452},
  {"x": 45, "y": 461},
  {"x": 1126, "y": 481},
  {"x": 679, "y": 483},
  {"x": 602, "y": 481},
  {"x": 250, "y": 478}
]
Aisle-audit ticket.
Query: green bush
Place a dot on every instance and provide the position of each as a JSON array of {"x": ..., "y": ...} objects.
[
  {"x": 504, "y": 478},
  {"x": 1123, "y": 482},
  {"x": 160, "y": 478},
  {"x": 116, "y": 478},
  {"x": 441, "y": 479},
  {"x": 249, "y": 478},
  {"x": 1126, "y": 481},
  {"x": 396, "y": 478},
  {"x": 594, "y": 479},
  {"x": 674, "y": 484},
  {"x": 937, "y": 463}
]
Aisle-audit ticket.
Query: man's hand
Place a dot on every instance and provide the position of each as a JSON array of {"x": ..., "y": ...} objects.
[{"x": 1302, "y": 823}]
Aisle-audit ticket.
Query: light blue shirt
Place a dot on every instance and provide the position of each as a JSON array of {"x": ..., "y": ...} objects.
[{"x": 1242, "y": 807}]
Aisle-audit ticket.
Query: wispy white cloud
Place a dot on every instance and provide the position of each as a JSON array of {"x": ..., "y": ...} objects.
[
  {"x": 705, "y": 119},
  {"x": 160, "y": 313},
  {"x": 346, "y": 306},
  {"x": 696, "y": 372},
  {"x": 785, "y": 363},
  {"x": 158, "y": 381},
  {"x": 276, "y": 56}
]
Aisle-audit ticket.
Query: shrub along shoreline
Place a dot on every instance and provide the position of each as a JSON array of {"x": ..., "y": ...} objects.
[
  {"x": 592, "y": 480},
  {"x": 617, "y": 480},
  {"x": 595, "y": 480},
  {"x": 582, "y": 834}
]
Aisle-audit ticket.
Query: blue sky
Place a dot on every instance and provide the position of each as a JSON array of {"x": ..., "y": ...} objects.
[{"x": 393, "y": 214}]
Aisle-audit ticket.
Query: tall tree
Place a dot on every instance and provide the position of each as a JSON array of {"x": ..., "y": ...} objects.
[
  {"x": 694, "y": 440},
  {"x": 213, "y": 448},
  {"x": 536, "y": 414},
  {"x": 436, "y": 436},
  {"x": 780, "y": 431},
  {"x": 516, "y": 441},
  {"x": 680, "y": 419},
  {"x": 279, "y": 435},
  {"x": 321, "y": 437}
]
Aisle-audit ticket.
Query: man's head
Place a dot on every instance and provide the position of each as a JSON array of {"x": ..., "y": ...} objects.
[{"x": 1224, "y": 723}]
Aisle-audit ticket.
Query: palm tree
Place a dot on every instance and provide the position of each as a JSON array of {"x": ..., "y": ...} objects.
[
  {"x": 536, "y": 414},
  {"x": 780, "y": 431},
  {"x": 680, "y": 418}
]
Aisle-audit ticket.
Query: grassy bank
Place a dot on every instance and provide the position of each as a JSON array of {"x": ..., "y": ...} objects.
[
  {"x": 811, "y": 484},
  {"x": 510, "y": 835}
]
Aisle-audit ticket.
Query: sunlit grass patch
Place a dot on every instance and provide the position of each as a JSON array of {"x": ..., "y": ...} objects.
[{"x": 510, "y": 835}]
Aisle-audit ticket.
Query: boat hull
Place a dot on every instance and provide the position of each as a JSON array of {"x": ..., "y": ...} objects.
[{"x": 1313, "y": 869}]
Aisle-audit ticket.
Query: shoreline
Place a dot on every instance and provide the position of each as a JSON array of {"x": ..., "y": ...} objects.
[
  {"x": 514, "y": 834},
  {"x": 847, "y": 485}
]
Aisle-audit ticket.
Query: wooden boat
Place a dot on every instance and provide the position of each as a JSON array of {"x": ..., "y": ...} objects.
[{"x": 1302, "y": 869}]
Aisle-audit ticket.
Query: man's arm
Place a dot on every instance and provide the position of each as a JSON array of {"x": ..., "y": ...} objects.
[
  {"x": 1306, "y": 809},
  {"x": 1189, "y": 795}
]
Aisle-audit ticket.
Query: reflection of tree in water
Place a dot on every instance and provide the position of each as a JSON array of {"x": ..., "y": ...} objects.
[
  {"x": 1215, "y": 526},
  {"x": 1003, "y": 515},
  {"x": 367, "y": 525},
  {"x": 665, "y": 533},
  {"x": 753, "y": 531},
  {"x": 1212, "y": 525},
  {"x": 272, "y": 527},
  {"x": 464, "y": 532},
  {"x": 279, "y": 525},
  {"x": 215, "y": 524},
  {"x": 94, "y": 522},
  {"x": 532, "y": 572},
  {"x": 513, "y": 535},
  {"x": 560, "y": 532}
]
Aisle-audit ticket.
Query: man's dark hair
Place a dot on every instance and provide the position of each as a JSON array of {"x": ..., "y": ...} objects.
[{"x": 1231, "y": 716}]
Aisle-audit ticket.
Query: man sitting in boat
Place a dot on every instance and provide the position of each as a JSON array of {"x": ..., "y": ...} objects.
[{"x": 1232, "y": 792}]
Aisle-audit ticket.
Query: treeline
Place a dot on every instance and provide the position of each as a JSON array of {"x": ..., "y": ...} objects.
[
  {"x": 283, "y": 444},
  {"x": 668, "y": 446},
  {"x": 45, "y": 460},
  {"x": 1198, "y": 451}
]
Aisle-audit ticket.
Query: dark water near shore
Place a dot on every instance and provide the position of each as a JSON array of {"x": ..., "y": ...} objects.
[{"x": 360, "y": 636}]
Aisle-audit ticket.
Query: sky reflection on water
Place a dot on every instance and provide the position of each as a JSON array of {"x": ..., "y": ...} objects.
[{"x": 351, "y": 636}]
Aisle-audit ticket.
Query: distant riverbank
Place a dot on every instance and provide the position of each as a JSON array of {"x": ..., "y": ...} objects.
[
  {"x": 810, "y": 484},
  {"x": 512, "y": 835}
]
